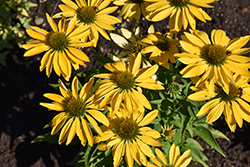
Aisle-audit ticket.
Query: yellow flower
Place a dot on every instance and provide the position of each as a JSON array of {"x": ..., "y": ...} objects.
[
  {"x": 234, "y": 105},
  {"x": 132, "y": 8},
  {"x": 61, "y": 46},
  {"x": 175, "y": 159},
  {"x": 216, "y": 60},
  {"x": 181, "y": 12},
  {"x": 124, "y": 85},
  {"x": 132, "y": 44},
  {"x": 129, "y": 136},
  {"x": 161, "y": 47},
  {"x": 76, "y": 108},
  {"x": 168, "y": 132},
  {"x": 94, "y": 15}
]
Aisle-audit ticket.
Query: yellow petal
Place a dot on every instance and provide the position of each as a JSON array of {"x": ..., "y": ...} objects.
[
  {"x": 194, "y": 70},
  {"x": 87, "y": 131},
  {"x": 51, "y": 23},
  {"x": 184, "y": 157},
  {"x": 237, "y": 113},
  {"x": 215, "y": 112},
  {"x": 235, "y": 67},
  {"x": 151, "y": 86},
  {"x": 148, "y": 73},
  {"x": 78, "y": 54},
  {"x": 87, "y": 89},
  {"x": 128, "y": 157},
  {"x": 65, "y": 131},
  {"x": 36, "y": 35},
  {"x": 57, "y": 124},
  {"x": 149, "y": 118},
  {"x": 118, "y": 154},
  {"x": 63, "y": 89},
  {"x": 94, "y": 124},
  {"x": 238, "y": 43},
  {"x": 71, "y": 25},
  {"x": 52, "y": 106},
  {"x": 40, "y": 30},
  {"x": 150, "y": 141},
  {"x": 113, "y": 142},
  {"x": 149, "y": 132},
  {"x": 199, "y": 96},
  {"x": 190, "y": 48},
  {"x": 49, "y": 64},
  {"x": 161, "y": 156},
  {"x": 208, "y": 107},
  {"x": 107, "y": 10},
  {"x": 194, "y": 39},
  {"x": 143, "y": 100},
  {"x": 72, "y": 131},
  {"x": 145, "y": 148},
  {"x": 71, "y": 4},
  {"x": 196, "y": 13},
  {"x": 56, "y": 66},
  {"x": 136, "y": 64},
  {"x": 74, "y": 87},
  {"x": 80, "y": 132},
  {"x": 119, "y": 66},
  {"x": 36, "y": 50},
  {"x": 99, "y": 116},
  {"x": 120, "y": 41},
  {"x": 64, "y": 63},
  {"x": 191, "y": 18},
  {"x": 203, "y": 36},
  {"x": 45, "y": 59},
  {"x": 55, "y": 97},
  {"x": 128, "y": 35}
]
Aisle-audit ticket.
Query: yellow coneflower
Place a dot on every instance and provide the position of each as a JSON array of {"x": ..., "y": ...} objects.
[
  {"x": 129, "y": 136},
  {"x": 76, "y": 108},
  {"x": 61, "y": 46},
  {"x": 180, "y": 12},
  {"x": 216, "y": 60},
  {"x": 161, "y": 48},
  {"x": 124, "y": 84},
  {"x": 175, "y": 159},
  {"x": 93, "y": 14},
  {"x": 234, "y": 104}
]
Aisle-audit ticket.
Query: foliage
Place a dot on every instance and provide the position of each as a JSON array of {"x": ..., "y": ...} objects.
[{"x": 14, "y": 18}]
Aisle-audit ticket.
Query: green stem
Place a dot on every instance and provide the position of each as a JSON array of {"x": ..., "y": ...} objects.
[
  {"x": 99, "y": 48},
  {"x": 200, "y": 118},
  {"x": 90, "y": 159},
  {"x": 133, "y": 26},
  {"x": 86, "y": 157}
]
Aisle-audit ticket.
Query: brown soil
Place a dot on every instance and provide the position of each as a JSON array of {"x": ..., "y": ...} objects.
[{"x": 22, "y": 87}]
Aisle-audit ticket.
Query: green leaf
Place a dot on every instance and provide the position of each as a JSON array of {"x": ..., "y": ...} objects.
[
  {"x": 185, "y": 119},
  {"x": 218, "y": 134},
  {"x": 207, "y": 136},
  {"x": 105, "y": 159},
  {"x": 190, "y": 129},
  {"x": 196, "y": 154},
  {"x": 194, "y": 143},
  {"x": 166, "y": 147},
  {"x": 186, "y": 103},
  {"x": 3, "y": 57},
  {"x": 46, "y": 137},
  {"x": 86, "y": 157}
]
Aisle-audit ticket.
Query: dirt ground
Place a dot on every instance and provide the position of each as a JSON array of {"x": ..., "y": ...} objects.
[{"x": 22, "y": 87}]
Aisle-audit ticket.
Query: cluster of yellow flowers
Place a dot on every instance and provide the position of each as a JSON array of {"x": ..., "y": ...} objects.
[{"x": 215, "y": 66}]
